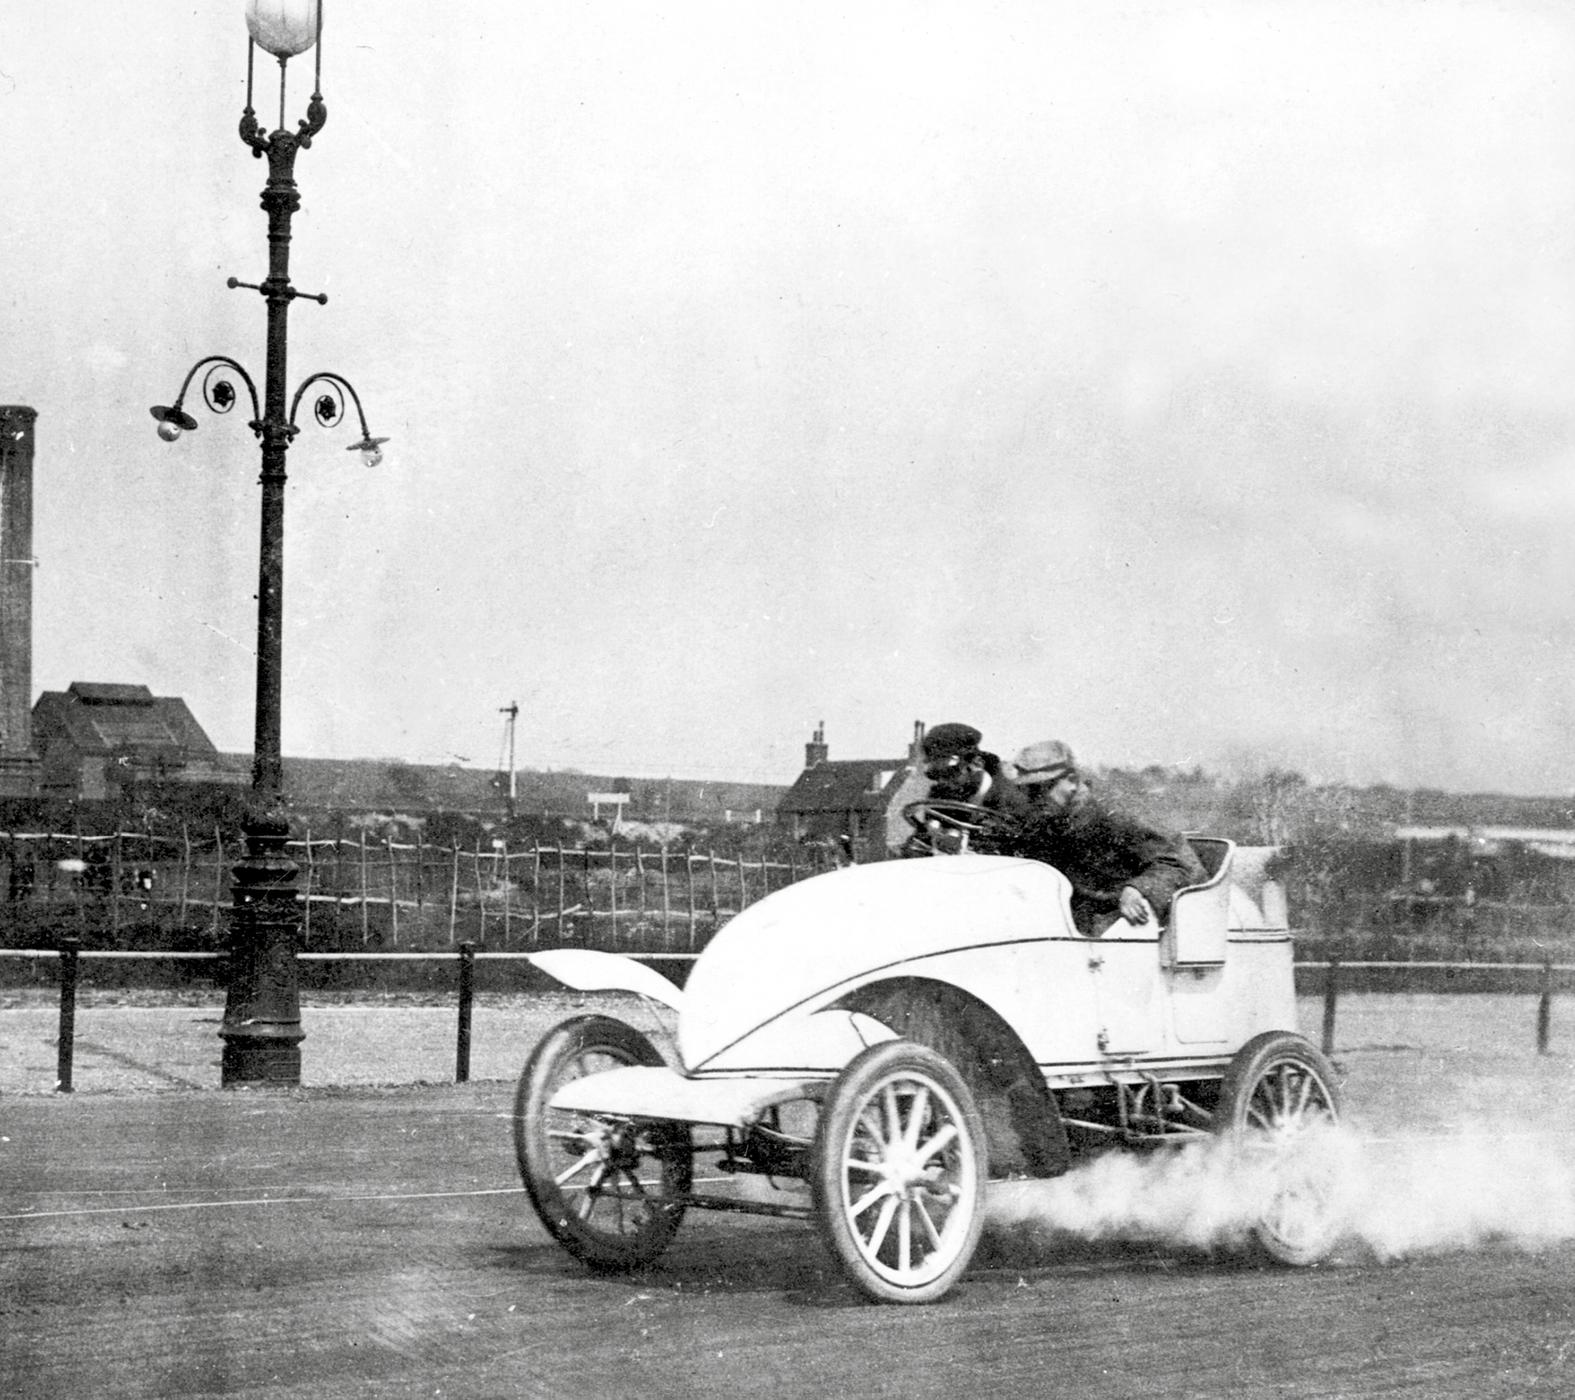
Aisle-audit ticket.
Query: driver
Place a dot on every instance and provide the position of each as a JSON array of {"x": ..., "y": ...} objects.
[
  {"x": 1118, "y": 866},
  {"x": 959, "y": 771}
]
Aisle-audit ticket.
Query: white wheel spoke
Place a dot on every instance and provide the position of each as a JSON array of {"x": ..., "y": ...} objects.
[
  {"x": 576, "y": 1168},
  {"x": 930, "y": 1232},
  {"x": 891, "y": 1126},
  {"x": 905, "y": 1236},
  {"x": 864, "y": 1202},
  {"x": 916, "y": 1111},
  {"x": 1285, "y": 1084},
  {"x": 942, "y": 1140},
  {"x": 868, "y": 1128},
  {"x": 877, "y": 1236},
  {"x": 858, "y": 1164},
  {"x": 1303, "y": 1096},
  {"x": 593, "y": 1194}
]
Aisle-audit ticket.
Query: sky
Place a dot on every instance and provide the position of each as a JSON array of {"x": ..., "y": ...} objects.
[{"x": 1192, "y": 382}]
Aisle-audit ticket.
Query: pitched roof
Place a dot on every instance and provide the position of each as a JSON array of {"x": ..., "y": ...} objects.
[
  {"x": 106, "y": 719},
  {"x": 844, "y": 785}
]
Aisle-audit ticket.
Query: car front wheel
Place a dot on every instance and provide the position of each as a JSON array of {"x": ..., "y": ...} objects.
[
  {"x": 609, "y": 1190},
  {"x": 899, "y": 1173}
]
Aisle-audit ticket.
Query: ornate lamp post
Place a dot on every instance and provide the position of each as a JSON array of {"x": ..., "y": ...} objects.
[{"x": 262, "y": 1015}]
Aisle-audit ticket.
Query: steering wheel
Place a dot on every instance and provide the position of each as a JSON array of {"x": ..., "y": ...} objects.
[{"x": 943, "y": 826}]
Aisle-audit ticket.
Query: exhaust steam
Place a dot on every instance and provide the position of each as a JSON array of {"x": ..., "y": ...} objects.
[{"x": 1387, "y": 1198}]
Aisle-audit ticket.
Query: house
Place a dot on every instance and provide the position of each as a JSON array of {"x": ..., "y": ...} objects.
[
  {"x": 102, "y": 742},
  {"x": 96, "y": 740},
  {"x": 854, "y": 802}
]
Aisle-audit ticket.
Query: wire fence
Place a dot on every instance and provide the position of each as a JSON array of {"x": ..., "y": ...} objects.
[
  {"x": 362, "y": 891},
  {"x": 365, "y": 892}
]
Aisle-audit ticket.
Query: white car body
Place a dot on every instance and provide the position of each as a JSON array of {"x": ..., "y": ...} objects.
[
  {"x": 895, "y": 1036},
  {"x": 761, "y": 1019}
]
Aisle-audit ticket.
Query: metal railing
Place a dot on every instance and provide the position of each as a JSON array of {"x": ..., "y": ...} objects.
[{"x": 70, "y": 953}]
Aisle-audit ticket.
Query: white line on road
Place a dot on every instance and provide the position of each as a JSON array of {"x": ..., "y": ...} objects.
[{"x": 265, "y": 1201}]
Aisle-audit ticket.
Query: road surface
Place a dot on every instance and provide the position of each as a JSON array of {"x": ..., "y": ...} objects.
[{"x": 363, "y": 1242}]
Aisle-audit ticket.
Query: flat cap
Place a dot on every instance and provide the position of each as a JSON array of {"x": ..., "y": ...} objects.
[
  {"x": 1044, "y": 762},
  {"x": 947, "y": 739}
]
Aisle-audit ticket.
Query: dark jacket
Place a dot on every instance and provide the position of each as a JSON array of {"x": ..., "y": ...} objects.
[
  {"x": 1101, "y": 852},
  {"x": 1003, "y": 795}
]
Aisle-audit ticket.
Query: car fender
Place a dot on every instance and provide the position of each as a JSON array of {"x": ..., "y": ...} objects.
[{"x": 586, "y": 970}]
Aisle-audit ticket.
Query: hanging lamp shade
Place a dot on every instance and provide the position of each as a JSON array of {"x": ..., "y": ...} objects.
[{"x": 284, "y": 27}]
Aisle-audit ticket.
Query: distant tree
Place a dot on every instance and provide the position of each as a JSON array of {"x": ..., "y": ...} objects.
[{"x": 1269, "y": 808}]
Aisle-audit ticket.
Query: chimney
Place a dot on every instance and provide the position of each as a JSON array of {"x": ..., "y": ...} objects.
[
  {"x": 815, "y": 751},
  {"x": 916, "y": 748},
  {"x": 18, "y": 762}
]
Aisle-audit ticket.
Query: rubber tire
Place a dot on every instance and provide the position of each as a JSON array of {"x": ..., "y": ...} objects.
[
  {"x": 540, "y": 1160},
  {"x": 863, "y": 1083},
  {"x": 1241, "y": 1092}
]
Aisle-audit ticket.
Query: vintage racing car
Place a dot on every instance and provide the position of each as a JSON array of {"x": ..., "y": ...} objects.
[{"x": 870, "y": 1047}]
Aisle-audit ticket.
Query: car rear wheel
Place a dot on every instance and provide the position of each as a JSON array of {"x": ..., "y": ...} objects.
[
  {"x": 1278, "y": 1098},
  {"x": 899, "y": 1171},
  {"x": 609, "y": 1190}
]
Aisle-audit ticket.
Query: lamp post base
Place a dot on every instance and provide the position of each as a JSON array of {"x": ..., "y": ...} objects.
[
  {"x": 260, "y": 1061},
  {"x": 262, "y": 1011}
]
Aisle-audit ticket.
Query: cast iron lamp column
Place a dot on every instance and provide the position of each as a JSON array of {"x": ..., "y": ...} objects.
[{"x": 262, "y": 1016}]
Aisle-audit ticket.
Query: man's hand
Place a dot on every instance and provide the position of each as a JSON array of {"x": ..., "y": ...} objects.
[{"x": 1134, "y": 908}]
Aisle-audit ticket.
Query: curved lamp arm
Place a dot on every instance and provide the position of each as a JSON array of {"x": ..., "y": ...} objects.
[
  {"x": 329, "y": 409},
  {"x": 218, "y": 392}
]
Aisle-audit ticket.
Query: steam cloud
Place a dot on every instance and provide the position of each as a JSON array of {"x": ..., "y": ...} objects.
[{"x": 1390, "y": 1197}]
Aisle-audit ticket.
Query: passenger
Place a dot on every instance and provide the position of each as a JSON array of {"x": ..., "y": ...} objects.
[{"x": 1119, "y": 867}]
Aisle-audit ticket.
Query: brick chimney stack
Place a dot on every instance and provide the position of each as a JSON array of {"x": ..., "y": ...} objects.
[
  {"x": 815, "y": 751},
  {"x": 18, "y": 762}
]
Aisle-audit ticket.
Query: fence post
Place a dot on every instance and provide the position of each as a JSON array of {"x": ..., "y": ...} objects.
[
  {"x": 366, "y": 891},
  {"x": 306, "y": 894},
  {"x": 562, "y": 877},
  {"x": 667, "y": 902},
  {"x": 639, "y": 876},
  {"x": 467, "y": 982},
  {"x": 689, "y": 885},
  {"x": 69, "y": 947},
  {"x": 481, "y": 893},
  {"x": 393, "y": 889},
  {"x": 421, "y": 870},
  {"x": 1331, "y": 995},
  {"x": 612, "y": 886},
  {"x": 716, "y": 899},
  {"x": 508, "y": 880},
  {"x": 535, "y": 891},
  {"x": 1545, "y": 1006}
]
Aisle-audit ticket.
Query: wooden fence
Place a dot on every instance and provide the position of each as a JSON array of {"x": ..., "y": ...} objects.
[
  {"x": 134, "y": 888},
  {"x": 365, "y": 892}
]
